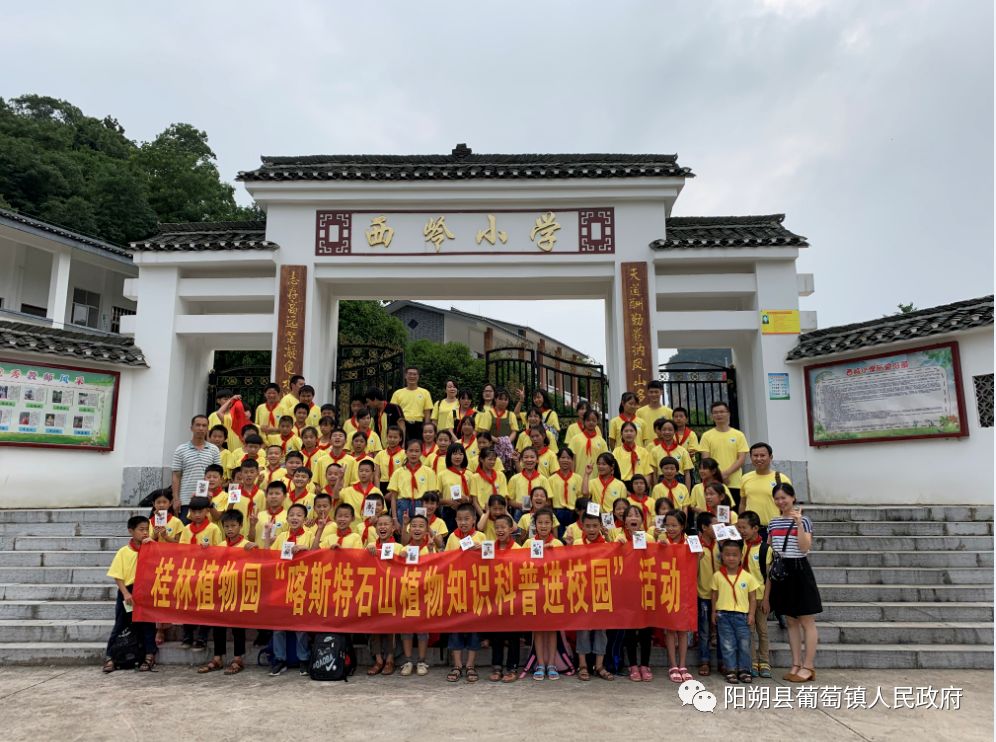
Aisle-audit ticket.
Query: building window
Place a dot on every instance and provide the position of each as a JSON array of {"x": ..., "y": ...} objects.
[
  {"x": 86, "y": 308},
  {"x": 33, "y": 310},
  {"x": 984, "y": 399},
  {"x": 412, "y": 324},
  {"x": 116, "y": 315}
]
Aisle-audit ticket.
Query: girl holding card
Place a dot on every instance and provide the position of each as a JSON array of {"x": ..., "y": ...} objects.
[
  {"x": 676, "y": 641},
  {"x": 637, "y": 641},
  {"x": 544, "y": 642}
]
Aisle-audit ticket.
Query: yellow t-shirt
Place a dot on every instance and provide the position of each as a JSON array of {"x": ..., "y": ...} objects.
[
  {"x": 735, "y": 597},
  {"x": 354, "y": 476},
  {"x": 579, "y": 446},
  {"x": 209, "y": 534},
  {"x": 278, "y": 518},
  {"x": 528, "y": 543},
  {"x": 401, "y": 482},
  {"x": 689, "y": 440},
  {"x": 708, "y": 563},
  {"x": 756, "y": 494},
  {"x": 606, "y": 494},
  {"x": 374, "y": 443},
  {"x": 431, "y": 456},
  {"x": 564, "y": 492},
  {"x": 482, "y": 489},
  {"x": 578, "y": 534},
  {"x": 444, "y": 413},
  {"x": 526, "y": 522},
  {"x": 265, "y": 417},
  {"x": 547, "y": 463},
  {"x": 275, "y": 475},
  {"x": 331, "y": 537},
  {"x": 615, "y": 428},
  {"x": 233, "y": 437},
  {"x": 753, "y": 559},
  {"x": 414, "y": 403},
  {"x": 724, "y": 447},
  {"x": 438, "y": 526},
  {"x": 220, "y": 503},
  {"x": 625, "y": 460},
  {"x": 236, "y": 456},
  {"x": 303, "y": 539},
  {"x": 658, "y": 452},
  {"x": 523, "y": 441},
  {"x": 124, "y": 565},
  {"x": 288, "y": 444},
  {"x": 576, "y": 428},
  {"x": 316, "y": 462},
  {"x": 698, "y": 496},
  {"x": 389, "y": 462},
  {"x": 678, "y": 494},
  {"x": 451, "y": 485},
  {"x": 648, "y": 417},
  {"x": 174, "y": 527},
  {"x": 453, "y": 542},
  {"x": 308, "y": 499},
  {"x": 519, "y": 487},
  {"x": 343, "y": 459}
]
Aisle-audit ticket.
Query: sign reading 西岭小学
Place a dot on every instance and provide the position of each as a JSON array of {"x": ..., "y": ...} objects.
[
  {"x": 493, "y": 232},
  {"x": 59, "y": 406},
  {"x": 915, "y": 393}
]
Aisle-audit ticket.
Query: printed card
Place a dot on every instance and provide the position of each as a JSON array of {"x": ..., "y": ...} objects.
[
  {"x": 694, "y": 545},
  {"x": 732, "y": 534},
  {"x": 422, "y": 512},
  {"x": 287, "y": 550},
  {"x": 411, "y": 554},
  {"x": 466, "y": 543},
  {"x": 456, "y": 492},
  {"x": 234, "y": 494},
  {"x": 161, "y": 518},
  {"x": 203, "y": 487},
  {"x": 594, "y": 508},
  {"x": 659, "y": 522},
  {"x": 487, "y": 550},
  {"x": 639, "y": 539},
  {"x": 387, "y": 551},
  {"x": 719, "y": 531},
  {"x": 527, "y": 503},
  {"x": 536, "y": 550},
  {"x": 608, "y": 521},
  {"x": 723, "y": 513},
  {"x": 369, "y": 508}
]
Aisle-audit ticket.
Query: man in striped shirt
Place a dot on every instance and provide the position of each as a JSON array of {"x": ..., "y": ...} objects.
[{"x": 190, "y": 459}]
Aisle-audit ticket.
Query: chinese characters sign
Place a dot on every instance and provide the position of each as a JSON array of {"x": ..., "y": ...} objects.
[
  {"x": 465, "y": 232},
  {"x": 780, "y": 322},
  {"x": 636, "y": 328},
  {"x": 915, "y": 393},
  {"x": 290, "y": 332},
  {"x": 602, "y": 586},
  {"x": 57, "y": 406}
]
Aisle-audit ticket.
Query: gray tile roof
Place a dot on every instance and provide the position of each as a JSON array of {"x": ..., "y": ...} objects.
[
  {"x": 462, "y": 164},
  {"x": 923, "y": 323},
  {"x": 687, "y": 232},
  {"x": 82, "y": 239},
  {"x": 74, "y": 344},
  {"x": 173, "y": 237}
]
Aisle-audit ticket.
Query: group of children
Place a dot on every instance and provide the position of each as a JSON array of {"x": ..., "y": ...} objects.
[{"x": 305, "y": 479}]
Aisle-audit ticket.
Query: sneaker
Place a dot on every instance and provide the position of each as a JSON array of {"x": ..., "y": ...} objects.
[
  {"x": 407, "y": 669},
  {"x": 421, "y": 669},
  {"x": 278, "y": 668},
  {"x": 303, "y": 670},
  {"x": 551, "y": 672}
]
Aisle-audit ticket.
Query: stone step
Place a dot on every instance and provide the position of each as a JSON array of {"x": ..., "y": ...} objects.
[
  {"x": 950, "y": 513},
  {"x": 904, "y": 528},
  {"x": 65, "y": 529},
  {"x": 898, "y": 593},
  {"x": 56, "y": 610},
  {"x": 64, "y": 543},
  {"x": 56, "y": 591},
  {"x": 70, "y": 515},
  {"x": 73, "y": 575},
  {"x": 897, "y": 575},
  {"x": 902, "y": 543},
  {"x": 56, "y": 558},
  {"x": 55, "y": 630},
  {"x": 898, "y": 611},
  {"x": 892, "y": 559}
]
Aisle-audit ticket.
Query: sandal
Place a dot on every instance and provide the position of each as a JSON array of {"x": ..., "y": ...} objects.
[
  {"x": 108, "y": 666},
  {"x": 583, "y": 673},
  {"x": 510, "y": 677},
  {"x": 764, "y": 671},
  {"x": 214, "y": 664},
  {"x": 604, "y": 674},
  {"x": 746, "y": 677},
  {"x": 454, "y": 675},
  {"x": 235, "y": 668},
  {"x": 731, "y": 677},
  {"x": 634, "y": 673},
  {"x": 792, "y": 673},
  {"x": 376, "y": 667},
  {"x": 552, "y": 673},
  {"x": 388, "y": 666},
  {"x": 812, "y": 674},
  {"x": 495, "y": 675},
  {"x": 674, "y": 675},
  {"x": 685, "y": 675},
  {"x": 148, "y": 664},
  {"x": 472, "y": 676},
  {"x": 539, "y": 673}
]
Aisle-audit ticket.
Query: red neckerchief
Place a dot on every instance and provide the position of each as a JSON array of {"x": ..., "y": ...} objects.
[
  {"x": 429, "y": 451},
  {"x": 463, "y": 479},
  {"x": 586, "y": 542},
  {"x": 711, "y": 547},
  {"x": 667, "y": 449},
  {"x": 423, "y": 544},
  {"x": 364, "y": 492},
  {"x": 136, "y": 549},
  {"x": 391, "y": 453},
  {"x": 272, "y": 418},
  {"x": 530, "y": 479},
  {"x": 642, "y": 502},
  {"x": 617, "y": 523},
  {"x": 543, "y": 451},
  {"x": 293, "y": 535},
  {"x": 299, "y": 428},
  {"x": 336, "y": 458},
  {"x": 492, "y": 480},
  {"x": 499, "y": 547},
  {"x": 622, "y": 416},
  {"x": 498, "y": 415},
  {"x": 389, "y": 541},
  {"x": 670, "y": 487},
  {"x": 236, "y": 542},
  {"x": 688, "y": 432},
  {"x": 343, "y": 532},
  {"x": 605, "y": 484},
  {"x": 249, "y": 498},
  {"x": 733, "y": 587},
  {"x": 324, "y": 446},
  {"x": 414, "y": 478},
  {"x": 432, "y": 519},
  {"x": 681, "y": 539},
  {"x": 294, "y": 499},
  {"x": 195, "y": 528},
  {"x": 365, "y": 434},
  {"x": 468, "y": 442},
  {"x": 633, "y": 458},
  {"x": 352, "y": 421},
  {"x": 548, "y": 538},
  {"x": 274, "y": 513},
  {"x": 309, "y": 456},
  {"x": 214, "y": 493},
  {"x": 461, "y": 535},
  {"x": 590, "y": 438},
  {"x": 270, "y": 472},
  {"x": 366, "y": 531},
  {"x": 750, "y": 545},
  {"x": 565, "y": 479}
]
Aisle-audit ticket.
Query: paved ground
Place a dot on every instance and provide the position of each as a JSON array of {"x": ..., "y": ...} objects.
[{"x": 83, "y": 704}]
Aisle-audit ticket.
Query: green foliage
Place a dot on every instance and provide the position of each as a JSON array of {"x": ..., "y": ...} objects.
[
  {"x": 83, "y": 173},
  {"x": 905, "y": 308},
  {"x": 366, "y": 323},
  {"x": 438, "y": 362}
]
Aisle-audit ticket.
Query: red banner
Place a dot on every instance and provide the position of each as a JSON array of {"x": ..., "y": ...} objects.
[{"x": 611, "y": 586}]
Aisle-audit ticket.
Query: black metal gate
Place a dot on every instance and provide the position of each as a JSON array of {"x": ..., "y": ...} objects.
[
  {"x": 249, "y": 381},
  {"x": 696, "y": 386},
  {"x": 566, "y": 382},
  {"x": 360, "y": 367}
]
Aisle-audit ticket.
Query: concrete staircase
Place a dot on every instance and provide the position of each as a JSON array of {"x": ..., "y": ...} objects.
[{"x": 902, "y": 587}]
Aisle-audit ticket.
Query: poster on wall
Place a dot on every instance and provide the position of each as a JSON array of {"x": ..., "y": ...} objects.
[
  {"x": 915, "y": 393},
  {"x": 57, "y": 406}
]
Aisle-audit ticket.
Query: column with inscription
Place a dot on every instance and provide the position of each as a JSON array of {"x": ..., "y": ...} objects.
[
  {"x": 289, "y": 358},
  {"x": 637, "y": 325}
]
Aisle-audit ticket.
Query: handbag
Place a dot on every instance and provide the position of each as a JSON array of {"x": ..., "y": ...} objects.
[{"x": 779, "y": 569}]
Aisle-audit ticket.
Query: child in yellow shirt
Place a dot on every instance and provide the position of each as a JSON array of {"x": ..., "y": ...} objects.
[
  {"x": 468, "y": 641},
  {"x": 342, "y": 536},
  {"x": 170, "y": 532},
  {"x": 757, "y": 560},
  {"x": 632, "y": 458},
  {"x": 709, "y": 562},
  {"x": 734, "y": 601},
  {"x": 592, "y": 641},
  {"x": 544, "y": 642},
  {"x": 300, "y": 536},
  {"x": 607, "y": 487},
  {"x": 496, "y": 506},
  {"x": 122, "y": 570},
  {"x": 673, "y": 534}
]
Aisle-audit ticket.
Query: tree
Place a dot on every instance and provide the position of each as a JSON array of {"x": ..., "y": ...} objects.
[
  {"x": 438, "y": 362},
  {"x": 905, "y": 308},
  {"x": 366, "y": 323}
]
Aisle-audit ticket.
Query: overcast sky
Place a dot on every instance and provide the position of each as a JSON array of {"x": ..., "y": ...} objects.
[{"x": 869, "y": 124}]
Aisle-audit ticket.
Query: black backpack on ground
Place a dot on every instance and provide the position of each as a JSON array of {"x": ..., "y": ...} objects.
[
  {"x": 331, "y": 657},
  {"x": 125, "y": 650}
]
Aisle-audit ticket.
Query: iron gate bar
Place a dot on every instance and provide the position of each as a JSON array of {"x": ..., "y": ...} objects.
[
  {"x": 359, "y": 367},
  {"x": 696, "y": 386},
  {"x": 249, "y": 381}
]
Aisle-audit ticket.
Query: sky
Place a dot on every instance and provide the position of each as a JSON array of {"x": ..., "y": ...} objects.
[{"x": 869, "y": 124}]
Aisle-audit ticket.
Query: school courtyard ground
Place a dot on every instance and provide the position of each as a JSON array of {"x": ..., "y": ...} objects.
[{"x": 174, "y": 703}]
